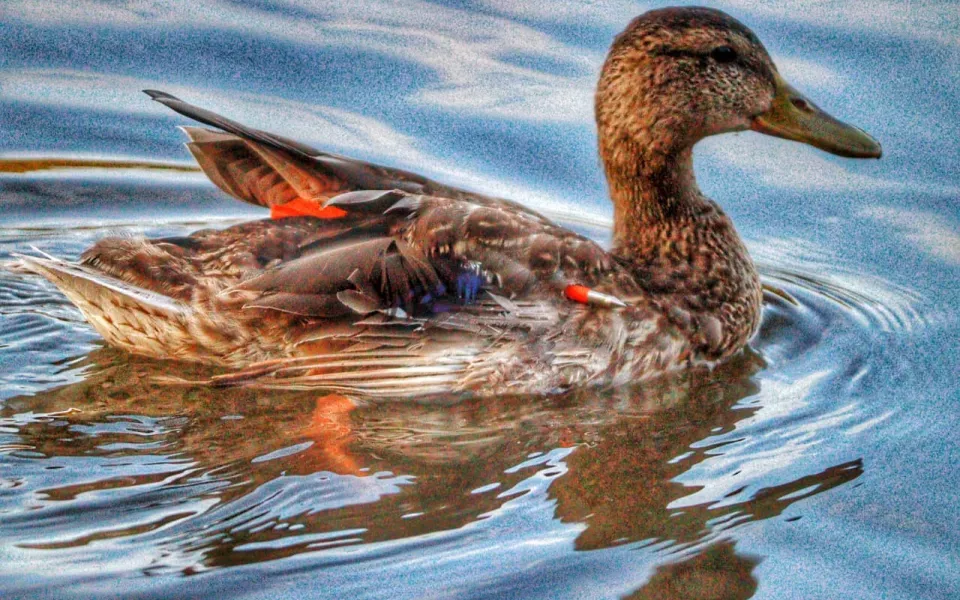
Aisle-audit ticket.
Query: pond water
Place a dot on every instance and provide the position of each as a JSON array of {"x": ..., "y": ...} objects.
[{"x": 820, "y": 464}]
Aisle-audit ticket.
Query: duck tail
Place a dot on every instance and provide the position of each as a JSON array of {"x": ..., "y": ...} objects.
[{"x": 128, "y": 316}]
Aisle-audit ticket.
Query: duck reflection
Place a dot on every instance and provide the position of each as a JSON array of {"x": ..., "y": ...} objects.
[
  {"x": 280, "y": 473},
  {"x": 717, "y": 573}
]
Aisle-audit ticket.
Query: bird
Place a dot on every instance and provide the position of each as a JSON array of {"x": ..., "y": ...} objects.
[{"x": 377, "y": 282}]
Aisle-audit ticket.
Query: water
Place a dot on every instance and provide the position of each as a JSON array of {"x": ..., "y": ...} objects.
[{"x": 819, "y": 464}]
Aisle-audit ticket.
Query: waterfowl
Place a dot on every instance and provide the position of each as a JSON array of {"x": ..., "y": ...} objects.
[{"x": 373, "y": 281}]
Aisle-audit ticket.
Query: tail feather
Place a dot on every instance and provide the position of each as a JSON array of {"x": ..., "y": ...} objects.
[
  {"x": 220, "y": 122},
  {"x": 84, "y": 285},
  {"x": 127, "y": 316}
]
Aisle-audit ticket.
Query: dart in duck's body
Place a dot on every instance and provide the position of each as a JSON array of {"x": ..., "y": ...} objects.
[{"x": 379, "y": 282}]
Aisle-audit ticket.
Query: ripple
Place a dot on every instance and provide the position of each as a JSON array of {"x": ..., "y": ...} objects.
[{"x": 870, "y": 300}]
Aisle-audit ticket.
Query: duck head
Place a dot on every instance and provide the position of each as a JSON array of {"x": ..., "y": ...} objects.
[{"x": 677, "y": 75}]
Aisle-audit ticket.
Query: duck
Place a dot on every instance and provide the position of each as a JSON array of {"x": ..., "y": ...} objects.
[{"x": 372, "y": 281}]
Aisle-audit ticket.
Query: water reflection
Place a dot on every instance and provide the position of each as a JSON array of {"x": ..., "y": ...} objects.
[
  {"x": 237, "y": 476},
  {"x": 716, "y": 573}
]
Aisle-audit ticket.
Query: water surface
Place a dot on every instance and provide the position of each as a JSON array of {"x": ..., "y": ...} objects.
[{"x": 819, "y": 464}]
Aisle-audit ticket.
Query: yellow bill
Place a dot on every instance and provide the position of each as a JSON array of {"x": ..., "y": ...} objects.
[{"x": 794, "y": 117}]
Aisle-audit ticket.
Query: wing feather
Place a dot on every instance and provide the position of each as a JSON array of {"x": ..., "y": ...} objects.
[{"x": 361, "y": 277}]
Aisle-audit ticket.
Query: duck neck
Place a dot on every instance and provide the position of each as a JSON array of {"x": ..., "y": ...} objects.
[
  {"x": 652, "y": 193},
  {"x": 684, "y": 250}
]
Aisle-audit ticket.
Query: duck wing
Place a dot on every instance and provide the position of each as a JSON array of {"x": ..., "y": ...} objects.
[
  {"x": 515, "y": 251},
  {"x": 359, "y": 277},
  {"x": 421, "y": 254},
  {"x": 456, "y": 232}
]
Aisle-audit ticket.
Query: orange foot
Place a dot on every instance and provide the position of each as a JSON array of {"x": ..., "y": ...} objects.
[{"x": 330, "y": 430}]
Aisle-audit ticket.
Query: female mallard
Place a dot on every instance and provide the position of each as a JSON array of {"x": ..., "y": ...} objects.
[{"x": 379, "y": 282}]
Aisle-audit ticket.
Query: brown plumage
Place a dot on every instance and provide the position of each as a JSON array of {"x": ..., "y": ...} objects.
[{"x": 418, "y": 288}]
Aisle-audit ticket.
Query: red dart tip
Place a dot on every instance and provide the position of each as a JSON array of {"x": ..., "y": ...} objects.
[{"x": 577, "y": 293}]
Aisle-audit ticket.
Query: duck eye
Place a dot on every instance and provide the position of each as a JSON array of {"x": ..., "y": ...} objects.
[{"x": 724, "y": 54}]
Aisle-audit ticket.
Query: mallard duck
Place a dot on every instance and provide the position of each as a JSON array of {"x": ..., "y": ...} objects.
[{"x": 373, "y": 281}]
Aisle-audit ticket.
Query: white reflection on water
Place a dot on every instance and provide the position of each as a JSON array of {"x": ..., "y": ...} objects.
[
  {"x": 788, "y": 165},
  {"x": 759, "y": 449},
  {"x": 328, "y": 127},
  {"x": 463, "y": 48},
  {"x": 936, "y": 22},
  {"x": 473, "y": 55},
  {"x": 120, "y": 94},
  {"x": 933, "y": 234}
]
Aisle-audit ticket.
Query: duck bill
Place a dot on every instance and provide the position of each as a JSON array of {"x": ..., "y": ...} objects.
[{"x": 794, "y": 117}]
